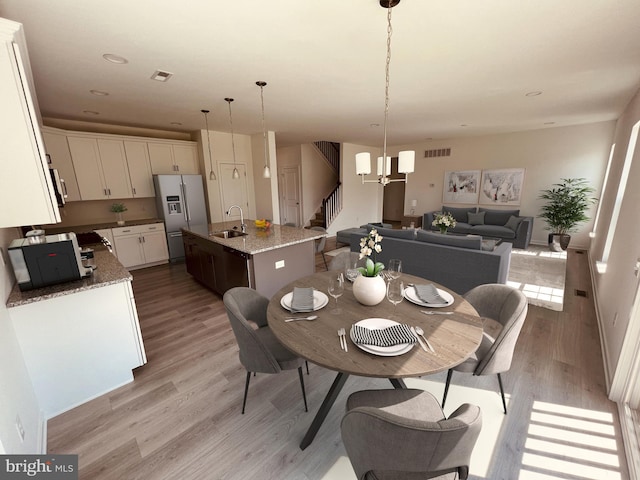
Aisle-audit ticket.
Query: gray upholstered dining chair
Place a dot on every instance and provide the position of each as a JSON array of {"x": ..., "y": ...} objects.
[
  {"x": 320, "y": 244},
  {"x": 399, "y": 434},
  {"x": 504, "y": 310},
  {"x": 260, "y": 351}
]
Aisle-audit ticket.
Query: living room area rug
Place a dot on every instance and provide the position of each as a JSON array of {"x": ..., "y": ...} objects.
[{"x": 537, "y": 271}]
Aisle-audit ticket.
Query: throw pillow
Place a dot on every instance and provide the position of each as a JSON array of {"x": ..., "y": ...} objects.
[
  {"x": 513, "y": 223},
  {"x": 497, "y": 217},
  {"x": 475, "y": 218},
  {"x": 460, "y": 214}
]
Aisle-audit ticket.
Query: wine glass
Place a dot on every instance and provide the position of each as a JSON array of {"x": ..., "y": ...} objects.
[
  {"x": 395, "y": 294},
  {"x": 351, "y": 270},
  {"x": 395, "y": 268},
  {"x": 336, "y": 288}
]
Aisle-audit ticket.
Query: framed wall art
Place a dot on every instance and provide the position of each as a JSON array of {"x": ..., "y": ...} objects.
[
  {"x": 461, "y": 187},
  {"x": 501, "y": 187}
]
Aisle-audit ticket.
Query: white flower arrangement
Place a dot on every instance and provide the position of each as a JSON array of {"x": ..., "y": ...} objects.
[
  {"x": 444, "y": 221},
  {"x": 370, "y": 245}
]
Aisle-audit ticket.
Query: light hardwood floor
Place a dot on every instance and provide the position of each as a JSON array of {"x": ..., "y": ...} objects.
[{"x": 180, "y": 418}]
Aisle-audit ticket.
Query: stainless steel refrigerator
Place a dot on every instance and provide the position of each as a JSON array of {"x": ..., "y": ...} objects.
[{"x": 180, "y": 203}]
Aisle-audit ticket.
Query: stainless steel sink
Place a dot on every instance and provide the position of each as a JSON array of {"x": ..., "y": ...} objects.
[{"x": 227, "y": 234}]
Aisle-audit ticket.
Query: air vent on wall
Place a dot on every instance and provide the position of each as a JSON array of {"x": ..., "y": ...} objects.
[
  {"x": 161, "y": 76},
  {"x": 437, "y": 152}
]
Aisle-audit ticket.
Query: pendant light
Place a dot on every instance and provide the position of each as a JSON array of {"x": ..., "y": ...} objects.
[
  {"x": 266, "y": 172},
  {"x": 235, "y": 175},
  {"x": 212, "y": 175},
  {"x": 406, "y": 159}
]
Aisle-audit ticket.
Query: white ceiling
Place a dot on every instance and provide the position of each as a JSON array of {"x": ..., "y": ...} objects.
[{"x": 454, "y": 62}]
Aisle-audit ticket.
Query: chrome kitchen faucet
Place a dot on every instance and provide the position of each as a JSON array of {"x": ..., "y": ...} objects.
[{"x": 243, "y": 226}]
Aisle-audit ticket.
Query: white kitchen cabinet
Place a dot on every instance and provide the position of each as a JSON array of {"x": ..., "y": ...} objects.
[
  {"x": 173, "y": 158},
  {"x": 25, "y": 180},
  {"x": 57, "y": 148},
  {"x": 101, "y": 167},
  {"x": 141, "y": 245},
  {"x": 139, "y": 169},
  {"x": 79, "y": 346}
]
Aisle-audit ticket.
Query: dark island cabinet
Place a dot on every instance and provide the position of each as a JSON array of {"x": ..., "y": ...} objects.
[{"x": 217, "y": 267}]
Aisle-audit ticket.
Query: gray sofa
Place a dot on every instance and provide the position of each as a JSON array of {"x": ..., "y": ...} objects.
[
  {"x": 457, "y": 262},
  {"x": 505, "y": 224},
  {"x": 344, "y": 236}
]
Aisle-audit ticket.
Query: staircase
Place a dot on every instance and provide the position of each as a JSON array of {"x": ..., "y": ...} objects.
[{"x": 332, "y": 204}]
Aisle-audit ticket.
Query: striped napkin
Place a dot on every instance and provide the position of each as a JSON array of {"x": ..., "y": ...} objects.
[
  {"x": 302, "y": 299},
  {"x": 383, "y": 337},
  {"x": 428, "y": 293}
]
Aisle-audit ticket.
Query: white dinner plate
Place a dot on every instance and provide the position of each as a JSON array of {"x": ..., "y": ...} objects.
[
  {"x": 377, "y": 324},
  {"x": 320, "y": 300},
  {"x": 410, "y": 294}
]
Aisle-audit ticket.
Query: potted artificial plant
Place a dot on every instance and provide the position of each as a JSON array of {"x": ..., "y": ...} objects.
[
  {"x": 566, "y": 206},
  {"x": 118, "y": 208}
]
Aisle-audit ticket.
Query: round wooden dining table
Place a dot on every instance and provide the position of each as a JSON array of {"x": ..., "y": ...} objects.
[{"x": 454, "y": 337}]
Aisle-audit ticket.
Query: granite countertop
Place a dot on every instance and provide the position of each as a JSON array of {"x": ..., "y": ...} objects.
[
  {"x": 256, "y": 240},
  {"x": 99, "y": 226},
  {"x": 108, "y": 272}
]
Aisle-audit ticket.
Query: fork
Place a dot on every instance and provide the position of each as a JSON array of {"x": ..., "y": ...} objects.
[{"x": 343, "y": 339}]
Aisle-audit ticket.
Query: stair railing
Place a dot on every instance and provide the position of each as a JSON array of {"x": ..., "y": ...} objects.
[
  {"x": 331, "y": 152},
  {"x": 332, "y": 205}
]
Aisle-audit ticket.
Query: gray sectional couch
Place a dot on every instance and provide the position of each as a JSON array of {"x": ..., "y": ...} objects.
[
  {"x": 457, "y": 262},
  {"x": 505, "y": 224}
]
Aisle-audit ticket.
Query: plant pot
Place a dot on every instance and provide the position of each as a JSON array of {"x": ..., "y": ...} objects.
[
  {"x": 119, "y": 219},
  {"x": 369, "y": 290},
  {"x": 559, "y": 242},
  {"x": 443, "y": 231}
]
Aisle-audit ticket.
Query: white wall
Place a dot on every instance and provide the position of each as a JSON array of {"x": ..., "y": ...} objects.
[
  {"x": 17, "y": 396},
  {"x": 360, "y": 203},
  {"x": 547, "y": 155},
  {"x": 616, "y": 289}
]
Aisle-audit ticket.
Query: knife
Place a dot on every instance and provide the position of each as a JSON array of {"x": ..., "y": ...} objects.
[
  {"x": 427, "y": 312},
  {"x": 415, "y": 334}
]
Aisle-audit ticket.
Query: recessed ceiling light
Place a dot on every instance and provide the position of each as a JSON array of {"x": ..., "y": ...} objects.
[
  {"x": 533, "y": 94},
  {"x": 161, "y": 76},
  {"x": 110, "y": 57},
  {"x": 464, "y": 125},
  {"x": 90, "y": 112},
  {"x": 99, "y": 93}
]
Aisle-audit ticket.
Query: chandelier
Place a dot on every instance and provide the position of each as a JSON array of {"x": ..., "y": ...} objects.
[{"x": 406, "y": 159}]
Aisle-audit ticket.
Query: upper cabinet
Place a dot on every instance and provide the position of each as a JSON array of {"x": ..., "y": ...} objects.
[
  {"x": 101, "y": 167},
  {"x": 57, "y": 148},
  {"x": 139, "y": 169},
  {"x": 173, "y": 158},
  {"x": 26, "y": 189}
]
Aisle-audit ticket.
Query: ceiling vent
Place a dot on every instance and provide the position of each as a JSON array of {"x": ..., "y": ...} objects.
[
  {"x": 437, "y": 152},
  {"x": 161, "y": 76}
]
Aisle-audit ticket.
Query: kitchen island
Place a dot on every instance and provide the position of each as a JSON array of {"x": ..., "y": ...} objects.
[
  {"x": 263, "y": 259},
  {"x": 80, "y": 339}
]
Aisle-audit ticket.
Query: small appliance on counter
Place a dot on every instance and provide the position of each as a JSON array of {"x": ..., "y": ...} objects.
[{"x": 50, "y": 260}]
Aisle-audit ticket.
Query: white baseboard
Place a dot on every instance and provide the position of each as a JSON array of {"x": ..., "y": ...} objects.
[
  {"x": 42, "y": 434},
  {"x": 629, "y": 423}
]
